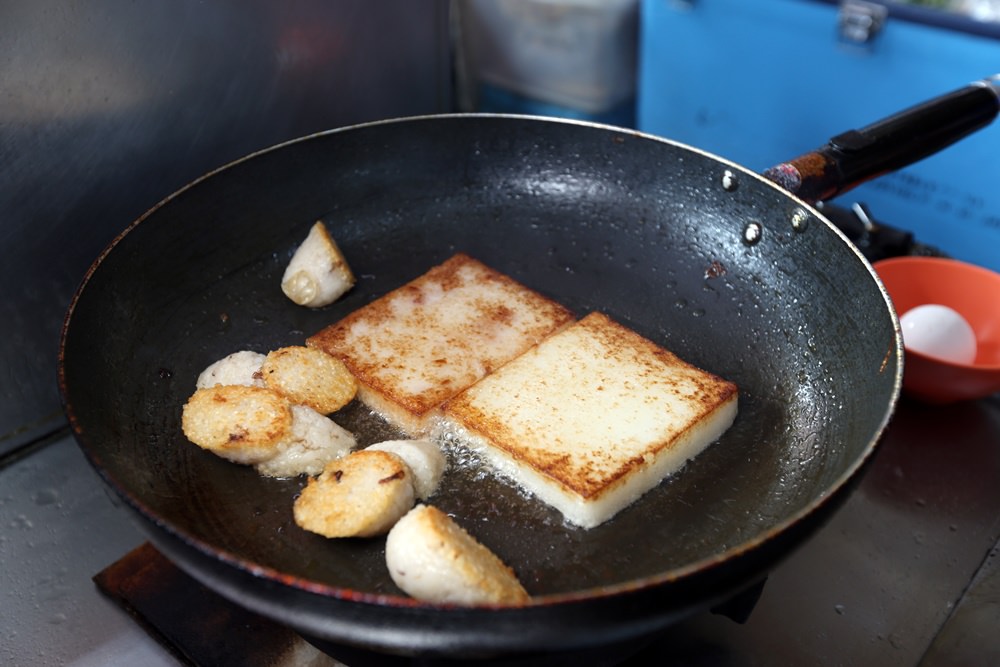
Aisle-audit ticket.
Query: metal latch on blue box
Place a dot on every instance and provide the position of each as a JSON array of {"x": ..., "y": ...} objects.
[{"x": 860, "y": 22}]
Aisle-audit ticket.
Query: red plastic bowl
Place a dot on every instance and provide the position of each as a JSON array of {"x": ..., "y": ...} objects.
[{"x": 972, "y": 291}]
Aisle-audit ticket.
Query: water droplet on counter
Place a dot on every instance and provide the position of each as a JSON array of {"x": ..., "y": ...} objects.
[
  {"x": 46, "y": 497},
  {"x": 839, "y": 608}
]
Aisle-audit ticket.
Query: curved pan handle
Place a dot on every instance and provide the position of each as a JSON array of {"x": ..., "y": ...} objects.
[{"x": 856, "y": 156}]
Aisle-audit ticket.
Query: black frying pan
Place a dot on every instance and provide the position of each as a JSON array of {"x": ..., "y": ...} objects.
[{"x": 711, "y": 260}]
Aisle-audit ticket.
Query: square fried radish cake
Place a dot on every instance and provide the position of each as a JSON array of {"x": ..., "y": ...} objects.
[
  {"x": 593, "y": 417},
  {"x": 424, "y": 342}
]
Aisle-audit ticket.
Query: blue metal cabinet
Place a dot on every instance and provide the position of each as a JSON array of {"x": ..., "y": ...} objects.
[{"x": 764, "y": 81}]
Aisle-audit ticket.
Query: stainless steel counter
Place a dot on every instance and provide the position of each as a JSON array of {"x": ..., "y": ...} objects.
[
  {"x": 108, "y": 106},
  {"x": 900, "y": 576},
  {"x": 907, "y": 573},
  {"x": 58, "y": 528}
]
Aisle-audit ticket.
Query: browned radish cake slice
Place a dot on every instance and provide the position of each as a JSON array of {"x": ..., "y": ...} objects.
[
  {"x": 426, "y": 341},
  {"x": 593, "y": 417}
]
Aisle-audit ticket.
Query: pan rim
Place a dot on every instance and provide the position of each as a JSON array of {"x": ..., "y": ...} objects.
[{"x": 697, "y": 567}]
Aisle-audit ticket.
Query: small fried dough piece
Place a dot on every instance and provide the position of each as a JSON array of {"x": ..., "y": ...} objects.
[
  {"x": 317, "y": 274},
  {"x": 432, "y": 558},
  {"x": 424, "y": 458},
  {"x": 360, "y": 495},
  {"x": 308, "y": 376},
  {"x": 314, "y": 441},
  {"x": 242, "y": 424},
  {"x": 237, "y": 368}
]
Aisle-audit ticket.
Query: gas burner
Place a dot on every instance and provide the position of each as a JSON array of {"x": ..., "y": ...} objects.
[
  {"x": 873, "y": 238},
  {"x": 160, "y": 598}
]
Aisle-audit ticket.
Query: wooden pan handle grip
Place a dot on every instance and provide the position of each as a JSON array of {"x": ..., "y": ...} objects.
[{"x": 856, "y": 156}]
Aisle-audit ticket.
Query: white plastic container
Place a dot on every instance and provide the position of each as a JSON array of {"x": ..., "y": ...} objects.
[{"x": 578, "y": 54}]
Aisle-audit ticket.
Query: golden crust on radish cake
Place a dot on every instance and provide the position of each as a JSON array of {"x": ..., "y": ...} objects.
[
  {"x": 424, "y": 342},
  {"x": 593, "y": 417},
  {"x": 360, "y": 495},
  {"x": 307, "y": 376},
  {"x": 239, "y": 423},
  {"x": 260, "y": 427}
]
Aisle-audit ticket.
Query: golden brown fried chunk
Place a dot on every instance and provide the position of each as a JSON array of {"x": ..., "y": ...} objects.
[
  {"x": 239, "y": 423},
  {"x": 311, "y": 377},
  {"x": 360, "y": 495}
]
